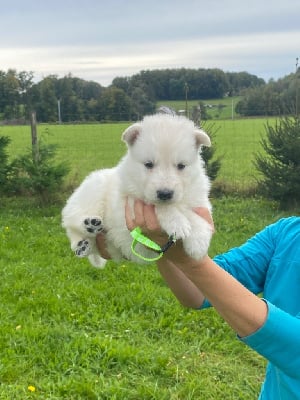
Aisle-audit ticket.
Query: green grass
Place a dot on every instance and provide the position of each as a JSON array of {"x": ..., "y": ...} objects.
[
  {"x": 237, "y": 142},
  {"x": 84, "y": 147},
  {"x": 215, "y": 108},
  {"x": 88, "y": 147},
  {"x": 75, "y": 332}
]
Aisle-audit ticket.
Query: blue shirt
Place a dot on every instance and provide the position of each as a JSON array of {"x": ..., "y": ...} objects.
[{"x": 269, "y": 263}]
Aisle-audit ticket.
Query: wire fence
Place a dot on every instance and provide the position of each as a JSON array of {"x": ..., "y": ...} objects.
[{"x": 86, "y": 147}]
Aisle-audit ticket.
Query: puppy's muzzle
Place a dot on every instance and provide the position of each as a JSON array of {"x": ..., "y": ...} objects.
[{"x": 165, "y": 194}]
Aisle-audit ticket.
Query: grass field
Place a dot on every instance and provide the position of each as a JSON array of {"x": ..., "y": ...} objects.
[
  {"x": 215, "y": 108},
  {"x": 87, "y": 147},
  {"x": 69, "y": 331}
]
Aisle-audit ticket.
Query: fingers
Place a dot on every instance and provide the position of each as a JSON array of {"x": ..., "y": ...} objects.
[
  {"x": 129, "y": 218},
  {"x": 142, "y": 215},
  {"x": 151, "y": 221},
  {"x": 205, "y": 214},
  {"x": 138, "y": 209}
]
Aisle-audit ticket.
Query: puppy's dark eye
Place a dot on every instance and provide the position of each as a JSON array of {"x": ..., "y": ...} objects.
[
  {"x": 180, "y": 166},
  {"x": 149, "y": 164}
]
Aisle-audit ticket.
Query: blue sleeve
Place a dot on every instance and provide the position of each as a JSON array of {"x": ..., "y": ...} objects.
[
  {"x": 278, "y": 340},
  {"x": 249, "y": 262},
  {"x": 269, "y": 263}
]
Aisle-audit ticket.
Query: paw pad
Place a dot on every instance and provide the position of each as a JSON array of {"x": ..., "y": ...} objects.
[
  {"x": 93, "y": 225},
  {"x": 83, "y": 248}
]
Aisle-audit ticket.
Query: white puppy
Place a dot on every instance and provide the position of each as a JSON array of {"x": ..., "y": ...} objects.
[{"x": 162, "y": 167}]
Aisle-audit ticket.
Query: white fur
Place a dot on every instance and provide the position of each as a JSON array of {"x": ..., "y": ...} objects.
[{"x": 167, "y": 143}]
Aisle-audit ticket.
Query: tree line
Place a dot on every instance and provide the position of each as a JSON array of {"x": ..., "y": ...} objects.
[
  {"x": 273, "y": 99},
  {"x": 72, "y": 99}
]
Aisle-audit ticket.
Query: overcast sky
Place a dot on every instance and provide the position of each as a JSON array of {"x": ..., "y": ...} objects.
[{"x": 99, "y": 40}]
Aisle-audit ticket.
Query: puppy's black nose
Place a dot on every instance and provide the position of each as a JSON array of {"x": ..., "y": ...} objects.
[{"x": 165, "y": 194}]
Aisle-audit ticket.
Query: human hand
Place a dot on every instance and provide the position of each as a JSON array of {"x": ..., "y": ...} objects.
[{"x": 144, "y": 216}]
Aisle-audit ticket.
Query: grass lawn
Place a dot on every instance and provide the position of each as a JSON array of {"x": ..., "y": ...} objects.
[
  {"x": 83, "y": 147},
  {"x": 237, "y": 142},
  {"x": 70, "y": 331}
]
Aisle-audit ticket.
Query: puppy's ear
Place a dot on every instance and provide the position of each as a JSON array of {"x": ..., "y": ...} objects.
[
  {"x": 202, "y": 139},
  {"x": 131, "y": 133}
]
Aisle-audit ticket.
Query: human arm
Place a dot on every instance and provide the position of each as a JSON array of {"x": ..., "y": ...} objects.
[
  {"x": 186, "y": 292},
  {"x": 182, "y": 287},
  {"x": 243, "y": 311},
  {"x": 269, "y": 330},
  {"x": 278, "y": 340},
  {"x": 239, "y": 307}
]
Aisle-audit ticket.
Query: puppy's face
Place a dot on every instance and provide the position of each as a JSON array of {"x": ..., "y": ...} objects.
[{"x": 163, "y": 158}]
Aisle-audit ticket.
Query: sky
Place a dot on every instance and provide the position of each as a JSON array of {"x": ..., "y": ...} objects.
[{"x": 100, "y": 40}]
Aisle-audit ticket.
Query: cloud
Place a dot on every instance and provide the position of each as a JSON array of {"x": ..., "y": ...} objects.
[{"x": 100, "y": 40}]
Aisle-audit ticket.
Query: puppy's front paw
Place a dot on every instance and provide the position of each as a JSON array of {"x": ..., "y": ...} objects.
[
  {"x": 173, "y": 222},
  {"x": 197, "y": 246},
  {"x": 93, "y": 225},
  {"x": 181, "y": 228},
  {"x": 83, "y": 248},
  {"x": 195, "y": 249}
]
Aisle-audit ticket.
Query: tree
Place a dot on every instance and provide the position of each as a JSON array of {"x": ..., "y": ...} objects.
[
  {"x": 11, "y": 94},
  {"x": 81, "y": 100},
  {"x": 14, "y": 87},
  {"x": 26, "y": 83},
  {"x": 114, "y": 105},
  {"x": 176, "y": 89},
  {"x": 251, "y": 104},
  {"x": 70, "y": 101},
  {"x": 280, "y": 165},
  {"x": 141, "y": 104},
  {"x": 122, "y": 83},
  {"x": 44, "y": 99},
  {"x": 239, "y": 81},
  {"x": 168, "y": 84},
  {"x": 274, "y": 98}
]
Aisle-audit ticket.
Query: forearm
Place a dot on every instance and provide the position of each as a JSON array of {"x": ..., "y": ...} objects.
[
  {"x": 182, "y": 287},
  {"x": 242, "y": 310},
  {"x": 237, "y": 305}
]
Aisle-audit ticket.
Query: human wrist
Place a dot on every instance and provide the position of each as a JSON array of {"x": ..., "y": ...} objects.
[
  {"x": 191, "y": 267},
  {"x": 178, "y": 255}
]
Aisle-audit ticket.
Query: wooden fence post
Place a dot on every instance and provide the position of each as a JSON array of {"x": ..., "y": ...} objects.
[{"x": 34, "y": 138}]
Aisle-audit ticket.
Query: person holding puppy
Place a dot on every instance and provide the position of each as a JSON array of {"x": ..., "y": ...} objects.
[{"x": 268, "y": 263}]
